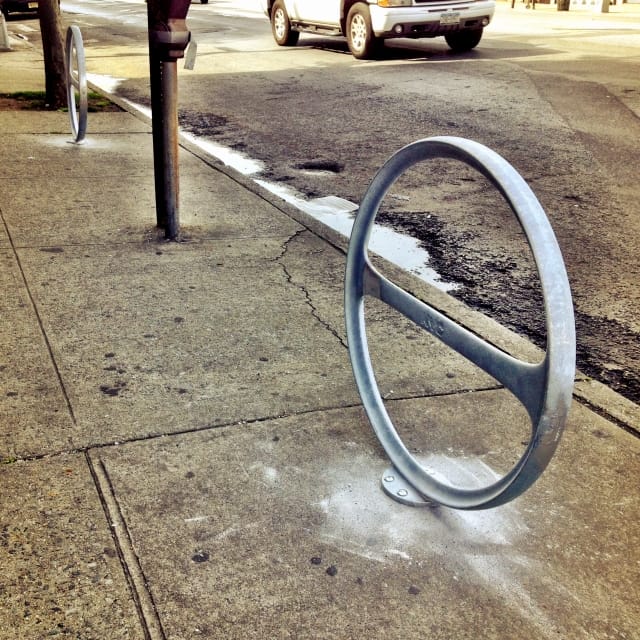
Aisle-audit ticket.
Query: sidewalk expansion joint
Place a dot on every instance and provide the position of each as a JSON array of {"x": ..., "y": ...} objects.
[
  {"x": 43, "y": 331},
  {"x": 97, "y": 446},
  {"x": 603, "y": 413},
  {"x": 309, "y": 301},
  {"x": 129, "y": 561}
]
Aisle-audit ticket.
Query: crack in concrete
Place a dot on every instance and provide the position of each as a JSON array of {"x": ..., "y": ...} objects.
[{"x": 308, "y": 299}]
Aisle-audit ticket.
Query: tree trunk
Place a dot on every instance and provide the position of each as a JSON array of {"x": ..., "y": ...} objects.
[{"x": 53, "y": 50}]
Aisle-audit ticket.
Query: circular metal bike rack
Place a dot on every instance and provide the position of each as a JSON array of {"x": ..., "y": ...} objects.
[
  {"x": 544, "y": 388},
  {"x": 76, "y": 83}
]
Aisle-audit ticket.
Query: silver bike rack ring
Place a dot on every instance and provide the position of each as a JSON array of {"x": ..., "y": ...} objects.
[
  {"x": 544, "y": 388},
  {"x": 76, "y": 83}
]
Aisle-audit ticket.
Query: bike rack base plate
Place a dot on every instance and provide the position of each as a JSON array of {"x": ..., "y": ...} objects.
[{"x": 398, "y": 489}]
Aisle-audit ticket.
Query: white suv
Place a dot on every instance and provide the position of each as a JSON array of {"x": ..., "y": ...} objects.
[{"x": 366, "y": 23}]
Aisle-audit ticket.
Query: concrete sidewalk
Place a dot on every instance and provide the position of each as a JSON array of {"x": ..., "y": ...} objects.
[{"x": 184, "y": 453}]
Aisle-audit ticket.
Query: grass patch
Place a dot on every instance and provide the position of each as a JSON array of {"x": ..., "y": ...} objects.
[
  {"x": 35, "y": 101},
  {"x": 97, "y": 102}
]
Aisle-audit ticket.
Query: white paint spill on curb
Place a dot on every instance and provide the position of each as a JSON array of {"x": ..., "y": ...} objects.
[
  {"x": 110, "y": 84},
  {"x": 238, "y": 161},
  {"x": 338, "y": 214}
]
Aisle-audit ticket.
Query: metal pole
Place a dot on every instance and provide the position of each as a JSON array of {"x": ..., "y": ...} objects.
[
  {"x": 170, "y": 146},
  {"x": 157, "y": 129},
  {"x": 168, "y": 38}
]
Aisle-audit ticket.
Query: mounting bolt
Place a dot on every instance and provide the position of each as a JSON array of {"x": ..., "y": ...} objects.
[
  {"x": 389, "y": 478},
  {"x": 403, "y": 493}
]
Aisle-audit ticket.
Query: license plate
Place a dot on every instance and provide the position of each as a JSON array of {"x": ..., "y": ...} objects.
[
  {"x": 33, "y": 5},
  {"x": 452, "y": 17}
]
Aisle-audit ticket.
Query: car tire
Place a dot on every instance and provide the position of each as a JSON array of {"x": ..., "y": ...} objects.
[
  {"x": 204, "y": 1},
  {"x": 283, "y": 34},
  {"x": 363, "y": 44},
  {"x": 463, "y": 40}
]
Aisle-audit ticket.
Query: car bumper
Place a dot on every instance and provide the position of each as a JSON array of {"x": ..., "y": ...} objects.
[
  {"x": 20, "y": 7},
  {"x": 429, "y": 20}
]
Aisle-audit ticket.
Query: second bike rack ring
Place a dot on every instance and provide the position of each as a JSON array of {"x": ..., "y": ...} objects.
[
  {"x": 76, "y": 83},
  {"x": 544, "y": 388}
]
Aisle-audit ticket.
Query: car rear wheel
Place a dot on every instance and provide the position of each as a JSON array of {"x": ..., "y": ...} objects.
[
  {"x": 204, "y": 1},
  {"x": 463, "y": 40},
  {"x": 283, "y": 34},
  {"x": 363, "y": 43}
]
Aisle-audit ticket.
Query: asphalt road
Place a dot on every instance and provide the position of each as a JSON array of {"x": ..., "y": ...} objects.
[{"x": 558, "y": 96}]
